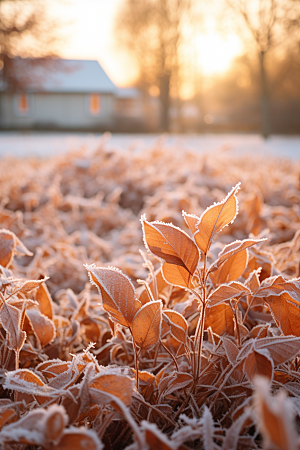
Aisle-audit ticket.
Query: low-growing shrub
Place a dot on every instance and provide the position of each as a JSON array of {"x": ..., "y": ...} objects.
[{"x": 193, "y": 358}]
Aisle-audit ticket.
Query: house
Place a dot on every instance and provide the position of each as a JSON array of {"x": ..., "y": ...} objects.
[
  {"x": 129, "y": 110},
  {"x": 69, "y": 95}
]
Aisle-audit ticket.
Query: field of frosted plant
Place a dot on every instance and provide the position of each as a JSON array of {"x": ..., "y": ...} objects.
[{"x": 126, "y": 323}]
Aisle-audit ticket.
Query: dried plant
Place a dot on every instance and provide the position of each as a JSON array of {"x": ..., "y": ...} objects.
[{"x": 197, "y": 347}]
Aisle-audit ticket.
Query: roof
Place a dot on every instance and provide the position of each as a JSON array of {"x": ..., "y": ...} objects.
[
  {"x": 64, "y": 76},
  {"x": 128, "y": 92}
]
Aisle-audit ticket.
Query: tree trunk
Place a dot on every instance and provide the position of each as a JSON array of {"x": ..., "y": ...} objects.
[
  {"x": 164, "y": 87},
  {"x": 265, "y": 102}
]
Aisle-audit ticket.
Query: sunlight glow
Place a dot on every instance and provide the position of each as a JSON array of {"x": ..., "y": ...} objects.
[
  {"x": 215, "y": 54},
  {"x": 90, "y": 35}
]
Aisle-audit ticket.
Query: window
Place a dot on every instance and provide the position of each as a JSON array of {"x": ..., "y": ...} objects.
[
  {"x": 95, "y": 104},
  {"x": 23, "y": 104}
]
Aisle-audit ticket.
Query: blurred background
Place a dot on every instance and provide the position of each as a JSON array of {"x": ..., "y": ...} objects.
[{"x": 145, "y": 66}]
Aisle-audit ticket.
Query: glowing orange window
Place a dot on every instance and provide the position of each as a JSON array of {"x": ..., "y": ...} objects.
[
  {"x": 23, "y": 103},
  {"x": 95, "y": 105}
]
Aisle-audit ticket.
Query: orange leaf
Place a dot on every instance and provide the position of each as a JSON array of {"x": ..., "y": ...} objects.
[
  {"x": 156, "y": 439},
  {"x": 6, "y": 415},
  {"x": 10, "y": 318},
  {"x": 18, "y": 376},
  {"x": 44, "y": 300},
  {"x": 29, "y": 285},
  {"x": 286, "y": 313},
  {"x": 213, "y": 220},
  {"x": 174, "y": 382},
  {"x": 7, "y": 247},
  {"x": 43, "y": 327},
  {"x": 79, "y": 439},
  {"x": 21, "y": 249},
  {"x": 233, "y": 249},
  {"x": 116, "y": 385},
  {"x": 220, "y": 319},
  {"x": 227, "y": 292},
  {"x": 27, "y": 384},
  {"x": 253, "y": 281},
  {"x": 231, "y": 269},
  {"x": 117, "y": 291},
  {"x": 258, "y": 363},
  {"x": 160, "y": 289},
  {"x": 146, "y": 325},
  {"x": 278, "y": 285},
  {"x": 275, "y": 417},
  {"x": 281, "y": 348},
  {"x": 178, "y": 324},
  {"x": 176, "y": 248},
  {"x": 42, "y": 427}
]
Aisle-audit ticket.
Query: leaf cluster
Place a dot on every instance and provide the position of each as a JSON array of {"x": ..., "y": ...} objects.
[{"x": 192, "y": 358}]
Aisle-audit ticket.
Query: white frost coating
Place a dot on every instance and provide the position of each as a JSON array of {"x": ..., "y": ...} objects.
[
  {"x": 233, "y": 433},
  {"x": 207, "y": 429},
  {"x": 31, "y": 436},
  {"x": 190, "y": 429},
  {"x": 185, "y": 214},
  {"x": 14, "y": 383},
  {"x": 49, "y": 362}
]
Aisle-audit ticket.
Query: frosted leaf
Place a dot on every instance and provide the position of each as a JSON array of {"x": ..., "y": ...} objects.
[
  {"x": 173, "y": 246},
  {"x": 215, "y": 218},
  {"x": 117, "y": 291},
  {"x": 227, "y": 292}
]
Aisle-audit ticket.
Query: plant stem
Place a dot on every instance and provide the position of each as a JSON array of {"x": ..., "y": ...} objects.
[
  {"x": 248, "y": 309},
  {"x": 157, "y": 410},
  {"x": 200, "y": 325},
  {"x": 17, "y": 360},
  {"x": 200, "y": 341},
  {"x": 170, "y": 353},
  {"x": 155, "y": 355},
  {"x": 136, "y": 361},
  {"x": 234, "y": 309},
  {"x": 152, "y": 299}
]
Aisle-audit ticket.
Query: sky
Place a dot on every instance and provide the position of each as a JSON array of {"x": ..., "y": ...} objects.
[{"x": 89, "y": 34}]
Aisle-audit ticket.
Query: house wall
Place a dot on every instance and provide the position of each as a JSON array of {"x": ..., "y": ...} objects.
[{"x": 50, "y": 110}]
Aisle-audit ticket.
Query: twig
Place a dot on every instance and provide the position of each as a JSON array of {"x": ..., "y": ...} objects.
[{"x": 170, "y": 353}]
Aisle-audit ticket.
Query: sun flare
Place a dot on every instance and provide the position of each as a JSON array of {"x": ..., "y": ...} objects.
[{"x": 215, "y": 54}]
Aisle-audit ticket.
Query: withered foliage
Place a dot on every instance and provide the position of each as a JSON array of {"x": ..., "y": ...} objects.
[{"x": 193, "y": 343}]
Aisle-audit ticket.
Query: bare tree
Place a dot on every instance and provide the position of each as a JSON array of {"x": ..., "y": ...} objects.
[
  {"x": 152, "y": 30},
  {"x": 27, "y": 31},
  {"x": 270, "y": 23}
]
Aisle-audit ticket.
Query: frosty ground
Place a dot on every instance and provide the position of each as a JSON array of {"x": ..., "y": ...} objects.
[{"x": 24, "y": 144}]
